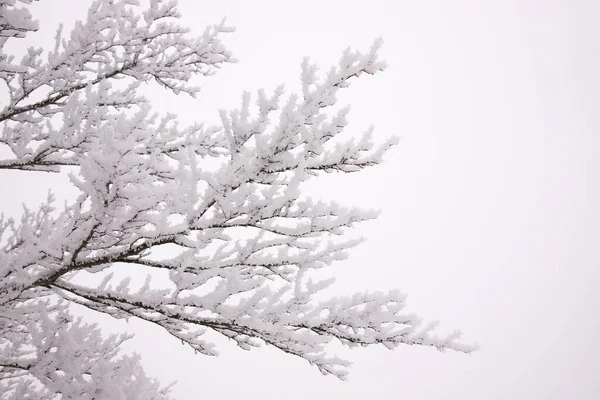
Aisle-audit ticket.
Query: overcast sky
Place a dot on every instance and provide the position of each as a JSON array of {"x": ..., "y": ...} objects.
[{"x": 491, "y": 217}]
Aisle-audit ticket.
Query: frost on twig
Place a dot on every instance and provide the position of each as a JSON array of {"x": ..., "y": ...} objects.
[{"x": 218, "y": 209}]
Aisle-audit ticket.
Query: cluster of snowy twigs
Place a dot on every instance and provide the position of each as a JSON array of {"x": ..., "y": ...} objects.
[{"x": 218, "y": 209}]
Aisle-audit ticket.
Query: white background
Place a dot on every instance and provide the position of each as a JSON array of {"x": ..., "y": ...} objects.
[{"x": 490, "y": 203}]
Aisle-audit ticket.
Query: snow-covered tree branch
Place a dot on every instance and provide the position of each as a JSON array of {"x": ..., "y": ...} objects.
[{"x": 218, "y": 209}]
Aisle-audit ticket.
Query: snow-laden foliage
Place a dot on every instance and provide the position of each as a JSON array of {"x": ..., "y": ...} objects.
[{"x": 218, "y": 209}]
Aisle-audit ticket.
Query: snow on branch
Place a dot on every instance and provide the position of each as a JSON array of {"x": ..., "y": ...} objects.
[
  {"x": 215, "y": 216},
  {"x": 61, "y": 354},
  {"x": 77, "y": 77}
]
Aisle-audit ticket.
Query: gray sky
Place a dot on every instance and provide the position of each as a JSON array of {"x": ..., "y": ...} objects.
[{"x": 490, "y": 203}]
